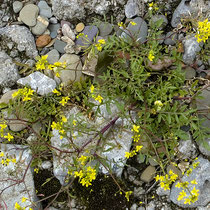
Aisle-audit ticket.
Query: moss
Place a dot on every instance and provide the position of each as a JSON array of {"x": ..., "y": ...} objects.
[
  {"x": 102, "y": 195},
  {"x": 51, "y": 187}
]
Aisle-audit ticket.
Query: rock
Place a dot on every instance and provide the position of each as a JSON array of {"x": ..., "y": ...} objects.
[
  {"x": 7, "y": 97},
  {"x": 189, "y": 72},
  {"x": 47, "y": 31},
  {"x": 105, "y": 29},
  {"x": 148, "y": 174},
  {"x": 16, "y": 171},
  {"x": 153, "y": 161},
  {"x": 174, "y": 169},
  {"x": 161, "y": 192},
  {"x": 53, "y": 29},
  {"x": 43, "y": 40},
  {"x": 205, "y": 150},
  {"x": 22, "y": 37},
  {"x": 28, "y": 14},
  {"x": 186, "y": 149},
  {"x": 80, "y": 27},
  {"x": 39, "y": 82},
  {"x": 90, "y": 65},
  {"x": 44, "y": 9},
  {"x": 90, "y": 32},
  {"x": 59, "y": 46},
  {"x": 53, "y": 56},
  {"x": 139, "y": 31},
  {"x": 138, "y": 191},
  {"x": 51, "y": 43},
  {"x": 132, "y": 8},
  {"x": 171, "y": 38},
  {"x": 202, "y": 176},
  {"x": 46, "y": 164},
  {"x": 133, "y": 207},
  {"x": 156, "y": 18},
  {"x": 191, "y": 47},
  {"x": 53, "y": 20},
  {"x": 65, "y": 22},
  {"x": 73, "y": 62},
  {"x": 8, "y": 71},
  {"x": 66, "y": 30},
  {"x": 41, "y": 25},
  {"x": 17, "y": 6},
  {"x": 151, "y": 206}
]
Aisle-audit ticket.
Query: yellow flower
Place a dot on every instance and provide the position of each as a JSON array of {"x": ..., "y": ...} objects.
[
  {"x": 64, "y": 100},
  {"x": 56, "y": 92},
  {"x": 101, "y": 41},
  {"x": 63, "y": 119},
  {"x": 127, "y": 154},
  {"x": 194, "y": 182},
  {"x": 36, "y": 170},
  {"x": 132, "y": 23},
  {"x": 99, "y": 47},
  {"x": 187, "y": 201},
  {"x": 9, "y": 137},
  {"x": 127, "y": 195},
  {"x": 135, "y": 128},
  {"x": 157, "y": 178},
  {"x": 14, "y": 160},
  {"x": 121, "y": 24},
  {"x": 54, "y": 125},
  {"x": 15, "y": 94},
  {"x": 178, "y": 185},
  {"x": 138, "y": 148},
  {"x": 92, "y": 88},
  {"x": 99, "y": 98},
  {"x": 1, "y": 154},
  {"x": 181, "y": 195},
  {"x": 195, "y": 192},
  {"x": 151, "y": 4},
  {"x": 151, "y": 55},
  {"x": 24, "y": 199},
  {"x": 74, "y": 122},
  {"x": 203, "y": 31}
]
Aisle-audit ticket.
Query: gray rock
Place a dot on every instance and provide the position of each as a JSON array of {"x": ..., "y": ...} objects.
[
  {"x": 191, "y": 47},
  {"x": 202, "y": 176},
  {"x": 132, "y": 8},
  {"x": 138, "y": 191},
  {"x": 53, "y": 29},
  {"x": 67, "y": 31},
  {"x": 189, "y": 72},
  {"x": 105, "y": 29},
  {"x": 171, "y": 38},
  {"x": 15, "y": 124},
  {"x": 7, "y": 96},
  {"x": 90, "y": 65},
  {"x": 16, "y": 171},
  {"x": 17, "y": 6},
  {"x": 156, "y": 18},
  {"x": 153, "y": 161},
  {"x": 90, "y": 32},
  {"x": 44, "y": 9},
  {"x": 28, "y": 14},
  {"x": 46, "y": 164},
  {"x": 59, "y": 46},
  {"x": 41, "y": 25},
  {"x": 73, "y": 71},
  {"x": 53, "y": 20},
  {"x": 151, "y": 206},
  {"x": 204, "y": 150},
  {"x": 8, "y": 71},
  {"x": 186, "y": 149},
  {"x": 22, "y": 37},
  {"x": 53, "y": 56},
  {"x": 133, "y": 207},
  {"x": 161, "y": 192},
  {"x": 139, "y": 31},
  {"x": 39, "y": 82},
  {"x": 148, "y": 174}
]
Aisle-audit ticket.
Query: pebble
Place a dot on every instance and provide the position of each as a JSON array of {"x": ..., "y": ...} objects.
[
  {"x": 59, "y": 46},
  {"x": 53, "y": 20},
  {"x": 189, "y": 72},
  {"x": 65, "y": 22},
  {"x": 53, "y": 56},
  {"x": 105, "y": 29},
  {"x": 44, "y": 9},
  {"x": 29, "y": 14},
  {"x": 7, "y": 97},
  {"x": 51, "y": 43},
  {"x": 46, "y": 164},
  {"x": 91, "y": 32},
  {"x": 17, "y": 6},
  {"x": 131, "y": 8},
  {"x": 155, "y": 18},
  {"x": 43, "y": 40},
  {"x": 41, "y": 25},
  {"x": 171, "y": 40},
  {"x": 53, "y": 29},
  {"x": 174, "y": 169},
  {"x": 80, "y": 27},
  {"x": 148, "y": 174},
  {"x": 153, "y": 161},
  {"x": 67, "y": 31}
]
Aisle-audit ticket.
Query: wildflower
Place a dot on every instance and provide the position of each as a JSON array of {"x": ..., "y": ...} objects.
[
  {"x": 151, "y": 55},
  {"x": 121, "y": 24},
  {"x": 64, "y": 100},
  {"x": 132, "y": 23},
  {"x": 187, "y": 201},
  {"x": 189, "y": 171},
  {"x": 195, "y": 192},
  {"x": 99, "y": 98},
  {"x": 63, "y": 119},
  {"x": 195, "y": 165},
  {"x": 138, "y": 148},
  {"x": 82, "y": 159},
  {"x": 127, "y": 155},
  {"x": 42, "y": 62},
  {"x": 74, "y": 122},
  {"x": 36, "y": 170},
  {"x": 203, "y": 31},
  {"x": 184, "y": 185},
  {"x": 193, "y": 198},
  {"x": 181, "y": 195},
  {"x": 91, "y": 88},
  {"x": 57, "y": 74},
  {"x": 178, "y": 185},
  {"x": 101, "y": 41},
  {"x": 15, "y": 94},
  {"x": 127, "y": 194},
  {"x": 1, "y": 154},
  {"x": 194, "y": 182},
  {"x": 136, "y": 137},
  {"x": 14, "y": 160},
  {"x": 18, "y": 207},
  {"x": 9, "y": 137},
  {"x": 56, "y": 92},
  {"x": 99, "y": 47},
  {"x": 135, "y": 128},
  {"x": 24, "y": 199}
]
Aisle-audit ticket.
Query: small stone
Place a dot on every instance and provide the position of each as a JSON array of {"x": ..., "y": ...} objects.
[
  {"x": 80, "y": 27},
  {"x": 171, "y": 38},
  {"x": 47, "y": 31},
  {"x": 53, "y": 20},
  {"x": 66, "y": 30},
  {"x": 186, "y": 149},
  {"x": 153, "y": 161},
  {"x": 90, "y": 65},
  {"x": 105, "y": 29},
  {"x": 161, "y": 192},
  {"x": 189, "y": 72},
  {"x": 53, "y": 29},
  {"x": 44, "y": 9},
  {"x": 46, "y": 164},
  {"x": 7, "y": 97},
  {"x": 65, "y": 22},
  {"x": 51, "y": 43},
  {"x": 131, "y": 8},
  {"x": 43, "y": 40},
  {"x": 174, "y": 169},
  {"x": 156, "y": 18},
  {"x": 59, "y": 46},
  {"x": 39, "y": 82},
  {"x": 29, "y": 14},
  {"x": 17, "y": 6},
  {"x": 41, "y": 25},
  {"x": 148, "y": 174},
  {"x": 53, "y": 56},
  {"x": 133, "y": 207}
]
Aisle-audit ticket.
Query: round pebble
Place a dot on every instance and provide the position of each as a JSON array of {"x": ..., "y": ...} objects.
[
  {"x": 80, "y": 27},
  {"x": 43, "y": 40},
  {"x": 17, "y": 6}
]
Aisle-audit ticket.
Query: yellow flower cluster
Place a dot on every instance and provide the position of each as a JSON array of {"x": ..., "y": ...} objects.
[
  {"x": 136, "y": 137},
  {"x": 133, "y": 152},
  {"x": 132, "y": 23},
  {"x": 167, "y": 180},
  {"x": 18, "y": 207},
  {"x": 86, "y": 176},
  {"x": 151, "y": 55},
  {"x": 81, "y": 35},
  {"x": 5, "y": 161},
  {"x": 64, "y": 100},
  {"x": 98, "y": 98},
  {"x": 135, "y": 128},
  {"x": 59, "y": 126},
  {"x": 121, "y": 24},
  {"x": 3, "y": 126},
  {"x": 83, "y": 159},
  {"x": 99, "y": 45},
  {"x": 25, "y": 92},
  {"x": 153, "y": 6},
  {"x": 203, "y": 31},
  {"x": 127, "y": 195}
]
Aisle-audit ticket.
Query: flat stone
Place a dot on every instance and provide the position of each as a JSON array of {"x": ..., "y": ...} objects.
[
  {"x": 90, "y": 32},
  {"x": 189, "y": 72},
  {"x": 67, "y": 31},
  {"x": 90, "y": 65},
  {"x": 59, "y": 46},
  {"x": 39, "y": 82},
  {"x": 80, "y": 27},
  {"x": 171, "y": 39},
  {"x": 73, "y": 62},
  {"x": 153, "y": 161},
  {"x": 28, "y": 14},
  {"x": 44, "y": 9},
  {"x": 8, "y": 71},
  {"x": 202, "y": 176},
  {"x": 105, "y": 29},
  {"x": 65, "y": 22},
  {"x": 41, "y": 25},
  {"x": 148, "y": 174},
  {"x": 17, "y": 6},
  {"x": 43, "y": 40},
  {"x": 132, "y": 8},
  {"x": 7, "y": 96},
  {"x": 53, "y": 29},
  {"x": 53, "y": 56},
  {"x": 139, "y": 31}
]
